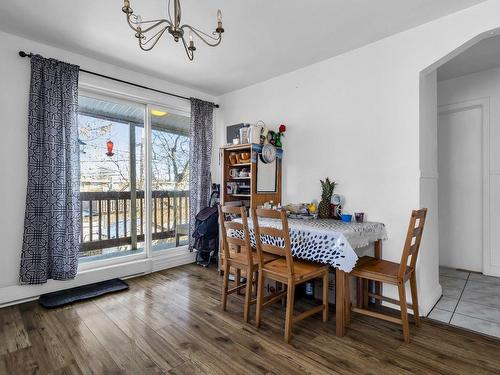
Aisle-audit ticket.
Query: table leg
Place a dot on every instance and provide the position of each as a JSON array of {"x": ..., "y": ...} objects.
[
  {"x": 340, "y": 278},
  {"x": 347, "y": 295},
  {"x": 378, "y": 255}
]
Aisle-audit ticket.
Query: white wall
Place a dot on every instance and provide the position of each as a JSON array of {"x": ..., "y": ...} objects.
[
  {"x": 429, "y": 181},
  {"x": 483, "y": 87},
  {"x": 356, "y": 119},
  {"x": 14, "y": 78}
]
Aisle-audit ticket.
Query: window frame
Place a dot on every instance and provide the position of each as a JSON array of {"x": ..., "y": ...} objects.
[{"x": 146, "y": 103}]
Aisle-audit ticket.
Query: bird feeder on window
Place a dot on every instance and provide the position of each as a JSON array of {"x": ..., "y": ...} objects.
[{"x": 109, "y": 146}]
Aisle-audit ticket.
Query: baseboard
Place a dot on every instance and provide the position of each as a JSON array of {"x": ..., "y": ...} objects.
[
  {"x": 173, "y": 259},
  {"x": 492, "y": 271},
  {"x": 427, "y": 304},
  {"x": 16, "y": 294}
]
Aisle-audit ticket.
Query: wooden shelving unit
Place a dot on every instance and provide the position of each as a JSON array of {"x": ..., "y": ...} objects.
[
  {"x": 253, "y": 198},
  {"x": 240, "y": 164}
]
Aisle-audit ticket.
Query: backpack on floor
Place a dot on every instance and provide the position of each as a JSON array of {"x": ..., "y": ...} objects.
[{"x": 206, "y": 235}]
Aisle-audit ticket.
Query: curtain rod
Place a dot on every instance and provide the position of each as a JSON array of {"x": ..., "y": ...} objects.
[{"x": 24, "y": 54}]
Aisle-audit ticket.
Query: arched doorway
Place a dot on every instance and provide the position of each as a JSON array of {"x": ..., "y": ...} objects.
[{"x": 458, "y": 181}]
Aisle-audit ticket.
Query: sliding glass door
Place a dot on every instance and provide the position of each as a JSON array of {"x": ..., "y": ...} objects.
[
  {"x": 169, "y": 177},
  {"x": 112, "y": 178},
  {"x": 134, "y": 178}
]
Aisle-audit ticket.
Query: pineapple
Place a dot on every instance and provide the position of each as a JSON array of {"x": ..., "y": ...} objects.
[{"x": 326, "y": 196}]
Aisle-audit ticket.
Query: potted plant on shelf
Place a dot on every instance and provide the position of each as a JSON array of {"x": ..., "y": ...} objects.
[{"x": 279, "y": 134}]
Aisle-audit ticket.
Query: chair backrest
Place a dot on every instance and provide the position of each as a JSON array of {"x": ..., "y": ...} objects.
[
  {"x": 413, "y": 238},
  {"x": 278, "y": 234},
  {"x": 226, "y": 224}
]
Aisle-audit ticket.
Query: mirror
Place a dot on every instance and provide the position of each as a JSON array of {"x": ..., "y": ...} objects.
[{"x": 266, "y": 176}]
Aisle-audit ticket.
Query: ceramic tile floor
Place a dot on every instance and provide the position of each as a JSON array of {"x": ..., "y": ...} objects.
[{"x": 469, "y": 300}]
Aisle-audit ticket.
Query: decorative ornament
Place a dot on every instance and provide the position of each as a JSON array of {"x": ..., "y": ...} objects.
[
  {"x": 270, "y": 137},
  {"x": 277, "y": 140},
  {"x": 277, "y": 136}
]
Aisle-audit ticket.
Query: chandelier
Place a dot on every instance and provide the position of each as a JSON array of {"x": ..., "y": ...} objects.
[{"x": 149, "y": 32}]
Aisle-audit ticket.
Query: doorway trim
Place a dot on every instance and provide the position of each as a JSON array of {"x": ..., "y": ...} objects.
[{"x": 484, "y": 105}]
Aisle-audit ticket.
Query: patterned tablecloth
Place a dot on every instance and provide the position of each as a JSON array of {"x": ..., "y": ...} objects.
[{"x": 323, "y": 240}]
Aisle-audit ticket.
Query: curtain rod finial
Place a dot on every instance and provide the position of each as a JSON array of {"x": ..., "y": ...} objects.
[{"x": 24, "y": 54}]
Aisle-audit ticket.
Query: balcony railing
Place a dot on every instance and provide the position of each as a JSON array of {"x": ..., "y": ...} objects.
[{"x": 114, "y": 219}]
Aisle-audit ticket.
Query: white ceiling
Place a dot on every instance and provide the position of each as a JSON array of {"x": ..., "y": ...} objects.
[
  {"x": 263, "y": 39},
  {"x": 481, "y": 56}
]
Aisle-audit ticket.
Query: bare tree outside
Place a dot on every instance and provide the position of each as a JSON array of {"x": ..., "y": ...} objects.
[
  {"x": 100, "y": 172},
  {"x": 170, "y": 161}
]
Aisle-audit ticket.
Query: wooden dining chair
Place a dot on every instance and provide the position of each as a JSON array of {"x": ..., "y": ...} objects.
[
  {"x": 238, "y": 255},
  {"x": 285, "y": 270},
  {"x": 383, "y": 271}
]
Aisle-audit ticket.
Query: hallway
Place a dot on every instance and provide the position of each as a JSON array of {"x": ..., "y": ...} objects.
[{"x": 470, "y": 300}]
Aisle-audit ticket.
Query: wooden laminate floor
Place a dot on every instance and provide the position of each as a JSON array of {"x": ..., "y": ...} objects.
[{"x": 171, "y": 322}]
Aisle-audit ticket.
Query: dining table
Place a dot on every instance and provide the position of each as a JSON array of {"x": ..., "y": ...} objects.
[{"x": 332, "y": 242}]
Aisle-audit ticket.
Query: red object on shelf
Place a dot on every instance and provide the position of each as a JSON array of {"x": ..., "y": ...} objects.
[{"x": 109, "y": 146}]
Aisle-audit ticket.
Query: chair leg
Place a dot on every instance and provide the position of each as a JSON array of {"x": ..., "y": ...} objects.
[
  {"x": 404, "y": 312},
  {"x": 238, "y": 280},
  {"x": 414, "y": 299},
  {"x": 255, "y": 278},
  {"x": 283, "y": 300},
  {"x": 347, "y": 300},
  {"x": 378, "y": 290},
  {"x": 326, "y": 280},
  {"x": 365, "y": 293},
  {"x": 290, "y": 295},
  {"x": 359, "y": 292},
  {"x": 260, "y": 296},
  {"x": 248, "y": 294},
  {"x": 279, "y": 288},
  {"x": 225, "y": 286}
]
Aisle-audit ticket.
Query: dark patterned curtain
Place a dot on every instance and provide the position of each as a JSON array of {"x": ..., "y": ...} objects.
[
  {"x": 51, "y": 238},
  {"x": 200, "y": 152}
]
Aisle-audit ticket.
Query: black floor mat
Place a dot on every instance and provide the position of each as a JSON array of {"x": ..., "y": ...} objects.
[{"x": 81, "y": 293}]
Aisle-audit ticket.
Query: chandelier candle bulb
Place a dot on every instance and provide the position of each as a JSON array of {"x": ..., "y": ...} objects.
[
  {"x": 126, "y": 7},
  {"x": 191, "y": 43},
  {"x": 219, "y": 28}
]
